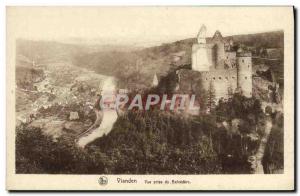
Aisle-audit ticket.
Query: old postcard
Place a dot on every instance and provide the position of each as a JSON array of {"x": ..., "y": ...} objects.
[{"x": 150, "y": 98}]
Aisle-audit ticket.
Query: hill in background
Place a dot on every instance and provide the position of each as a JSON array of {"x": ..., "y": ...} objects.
[{"x": 111, "y": 60}]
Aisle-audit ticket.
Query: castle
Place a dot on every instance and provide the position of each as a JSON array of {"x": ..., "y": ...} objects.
[{"x": 222, "y": 68}]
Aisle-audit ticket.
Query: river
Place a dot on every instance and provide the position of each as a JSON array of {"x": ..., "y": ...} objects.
[{"x": 109, "y": 116}]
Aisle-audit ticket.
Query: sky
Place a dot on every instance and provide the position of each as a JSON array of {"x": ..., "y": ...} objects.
[{"x": 139, "y": 25}]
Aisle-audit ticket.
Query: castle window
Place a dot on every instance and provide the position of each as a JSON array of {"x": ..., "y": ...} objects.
[
  {"x": 243, "y": 60},
  {"x": 226, "y": 78},
  {"x": 214, "y": 78},
  {"x": 246, "y": 78},
  {"x": 205, "y": 78},
  {"x": 220, "y": 78}
]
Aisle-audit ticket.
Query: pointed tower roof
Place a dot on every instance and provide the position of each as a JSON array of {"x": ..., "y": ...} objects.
[
  {"x": 217, "y": 35},
  {"x": 155, "y": 80},
  {"x": 201, "y": 37}
]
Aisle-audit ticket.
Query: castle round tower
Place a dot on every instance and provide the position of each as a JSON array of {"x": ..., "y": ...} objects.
[{"x": 244, "y": 72}]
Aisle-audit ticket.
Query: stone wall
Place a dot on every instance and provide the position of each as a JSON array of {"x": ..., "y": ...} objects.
[
  {"x": 220, "y": 55},
  {"x": 202, "y": 57},
  {"x": 223, "y": 71},
  {"x": 221, "y": 81},
  {"x": 230, "y": 59}
]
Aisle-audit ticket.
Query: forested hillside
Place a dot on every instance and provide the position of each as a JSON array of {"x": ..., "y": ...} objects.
[{"x": 109, "y": 59}]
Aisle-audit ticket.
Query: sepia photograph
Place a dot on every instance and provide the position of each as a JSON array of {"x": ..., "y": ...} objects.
[{"x": 122, "y": 93}]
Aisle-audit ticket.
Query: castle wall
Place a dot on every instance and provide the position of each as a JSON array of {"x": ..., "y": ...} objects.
[
  {"x": 222, "y": 81},
  {"x": 244, "y": 64},
  {"x": 230, "y": 59},
  {"x": 210, "y": 55},
  {"x": 200, "y": 60},
  {"x": 222, "y": 70},
  {"x": 220, "y": 55}
]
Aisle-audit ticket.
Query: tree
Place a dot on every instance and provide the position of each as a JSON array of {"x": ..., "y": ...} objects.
[
  {"x": 273, "y": 160},
  {"x": 211, "y": 98},
  {"x": 39, "y": 153},
  {"x": 230, "y": 91}
]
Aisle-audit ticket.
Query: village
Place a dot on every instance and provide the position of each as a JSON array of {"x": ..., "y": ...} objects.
[
  {"x": 62, "y": 85},
  {"x": 60, "y": 98}
]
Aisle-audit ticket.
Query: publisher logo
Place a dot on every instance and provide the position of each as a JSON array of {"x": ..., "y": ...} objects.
[{"x": 103, "y": 180}]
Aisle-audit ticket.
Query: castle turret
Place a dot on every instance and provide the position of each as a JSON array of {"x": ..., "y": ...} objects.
[{"x": 244, "y": 72}]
